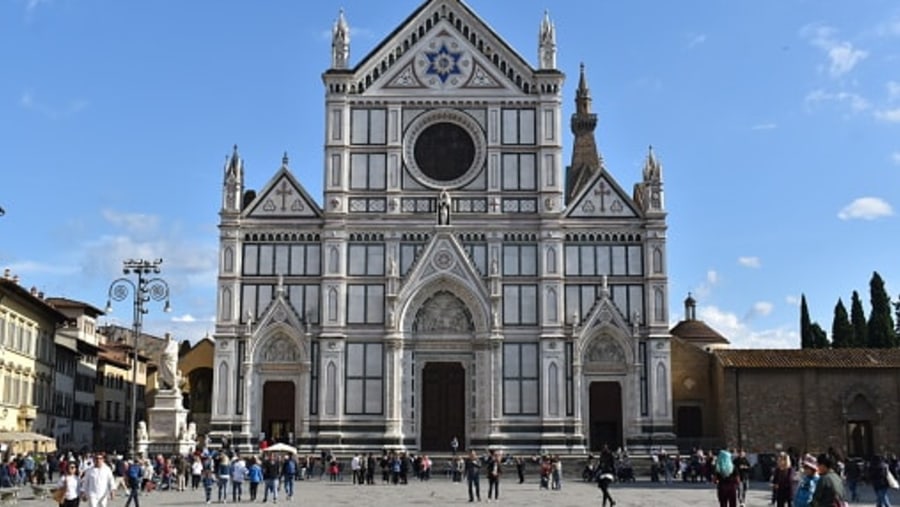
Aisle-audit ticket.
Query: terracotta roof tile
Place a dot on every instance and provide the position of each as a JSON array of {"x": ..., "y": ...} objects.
[
  {"x": 809, "y": 358},
  {"x": 697, "y": 330}
]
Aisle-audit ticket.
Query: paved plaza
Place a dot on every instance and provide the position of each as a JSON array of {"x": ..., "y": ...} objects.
[{"x": 439, "y": 492}]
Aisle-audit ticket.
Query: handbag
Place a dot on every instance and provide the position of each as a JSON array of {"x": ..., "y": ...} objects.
[
  {"x": 892, "y": 481},
  {"x": 59, "y": 494}
]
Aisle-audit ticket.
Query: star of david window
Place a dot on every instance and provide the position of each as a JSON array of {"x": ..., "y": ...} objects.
[
  {"x": 444, "y": 151},
  {"x": 443, "y": 63}
]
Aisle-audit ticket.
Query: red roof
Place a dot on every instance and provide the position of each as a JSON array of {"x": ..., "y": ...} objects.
[{"x": 809, "y": 358}]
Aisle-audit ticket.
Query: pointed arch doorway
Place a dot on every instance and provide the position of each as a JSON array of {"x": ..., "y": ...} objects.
[
  {"x": 443, "y": 406},
  {"x": 606, "y": 415}
]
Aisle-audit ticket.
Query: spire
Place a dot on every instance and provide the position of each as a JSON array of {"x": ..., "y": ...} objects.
[
  {"x": 340, "y": 43},
  {"x": 586, "y": 159},
  {"x": 652, "y": 168},
  {"x": 234, "y": 181},
  {"x": 284, "y": 160},
  {"x": 690, "y": 308},
  {"x": 547, "y": 44}
]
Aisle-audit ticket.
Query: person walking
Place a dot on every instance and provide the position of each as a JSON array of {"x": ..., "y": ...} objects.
[
  {"x": 830, "y": 489},
  {"x": 134, "y": 474},
  {"x": 208, "y": 479},
  {"x": 878, "y": 476},
  {"x": 238, "y": 474},
  {"x": 71, "y": 486},
  {"x": 725, "y": 475},
  {"x": 97, "y": 483},
  {"x": 473, "y": 473},
  {"x": 196, "y": 472},
  {"x": 520, "y": 469},
  {"x": 782, "y": 481},
  {"x": 271, "y": 473},
  {"x": 223, "y": 474},
  {"x": 605, "y": 477},
  {"x": 493, "y": 471},
  {"x": 289, "y": 474},
  {"x": 255, "y": 476},
  {"x": 807, "y": 487},
  {"x": 743, "y": 468}
]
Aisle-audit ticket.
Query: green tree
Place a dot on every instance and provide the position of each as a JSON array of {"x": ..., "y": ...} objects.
[
  {"x": 841, "y": 329},
  {"x": 858, "y": 321},
  {"x": 806, "y": 336},
  {"x": 819, "y": 336},
  {"x": 881, "y": 323}
]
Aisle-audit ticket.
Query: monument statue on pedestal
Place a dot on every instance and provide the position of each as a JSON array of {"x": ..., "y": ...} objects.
[{"x": 169, "y": 376}]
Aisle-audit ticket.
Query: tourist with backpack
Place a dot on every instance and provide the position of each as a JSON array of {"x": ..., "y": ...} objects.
[{"x": 134, "y": 474}]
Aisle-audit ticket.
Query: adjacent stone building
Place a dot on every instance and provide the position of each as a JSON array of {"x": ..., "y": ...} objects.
[
  {"x": 456, "y": 280},
  {"x": 767, "y": 400}
]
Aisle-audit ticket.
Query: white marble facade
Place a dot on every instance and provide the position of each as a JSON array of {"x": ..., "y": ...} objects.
[{"x": 446, "y": 285}]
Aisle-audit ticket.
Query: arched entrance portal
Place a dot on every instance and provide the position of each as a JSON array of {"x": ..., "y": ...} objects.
[
  {"x": 606, "y": 415},
  {"x": 278, "y": 410},
  {"x": 443, "y": 406}
]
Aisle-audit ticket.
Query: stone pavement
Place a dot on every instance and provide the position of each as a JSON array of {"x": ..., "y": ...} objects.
[{"x": 440, "y": 492}]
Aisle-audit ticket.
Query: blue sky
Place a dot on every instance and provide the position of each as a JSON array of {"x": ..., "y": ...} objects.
[{"x": 777, "y": 123}]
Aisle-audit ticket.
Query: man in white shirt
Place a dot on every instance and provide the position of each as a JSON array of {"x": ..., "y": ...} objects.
[
  {"x": 98, "y": 483},
  {"x": 355, "y": 468}
]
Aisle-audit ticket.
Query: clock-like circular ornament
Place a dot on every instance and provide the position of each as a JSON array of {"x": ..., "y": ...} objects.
[{"x": 444, "y": 148}]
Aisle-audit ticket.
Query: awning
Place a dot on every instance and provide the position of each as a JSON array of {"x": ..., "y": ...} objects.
[{"x": 21, "y": 441}]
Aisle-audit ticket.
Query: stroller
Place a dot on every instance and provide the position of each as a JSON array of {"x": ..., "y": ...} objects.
[{"x": 624, "y": 471}]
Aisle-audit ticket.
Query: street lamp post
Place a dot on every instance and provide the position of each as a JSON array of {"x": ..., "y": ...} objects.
[{"x": 148, "y": 287}]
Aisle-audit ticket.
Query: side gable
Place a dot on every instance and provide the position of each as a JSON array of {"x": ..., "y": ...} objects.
[
  {"x": 283, "y": 197},
  {"x": 603, "y": 197},
  {"x": 412, "y": 56}
]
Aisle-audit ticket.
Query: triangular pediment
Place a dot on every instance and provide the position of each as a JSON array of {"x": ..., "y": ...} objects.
[
  {"x": 444, "y": 258},
  {"x": 604, "y": 313},
  {"x": 283, "y": 197},
  {"x": 280, "y": 312},
  {"x": 444, "y": 46},
  {"x": 603, "y": 197}
]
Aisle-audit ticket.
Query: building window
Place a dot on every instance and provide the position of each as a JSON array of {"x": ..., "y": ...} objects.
[
  {"x": 365, "y": 304},
  {"x": 478, "y": 253},
  {"x": 580, "y": 298},
  {"x": 520, "y": 260},
  {"x": 239, "y": 378},
  {"x": 365, "y": 260},
  {"x": 368, "y": 171},
  {"x": 364, "y": 382},
  {"x": 518, "y": 126},
  {"x": 271, "y": 260},
  {"x": 368, "y": 126},
  {"x": 519, "y": 172},
  {"x": 520, "y": 379},
  {"x": 645, "y": 386},
  {"x": 598, "y": 260},
  {"x": 520, "y": 305},
  {"x": 570, "y": 380},
  {"x": 408, "y": 254},
  {"x": 305, "y": 300}
]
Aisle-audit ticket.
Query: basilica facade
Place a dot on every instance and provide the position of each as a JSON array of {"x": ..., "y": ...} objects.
[{"x": 457, "y": 278}]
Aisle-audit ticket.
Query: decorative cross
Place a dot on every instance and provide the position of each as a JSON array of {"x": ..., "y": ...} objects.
[
  {"x": 602, "y": 191},
  {"x": 284, "y": 192},
  {"x": 495, "y": 203}
]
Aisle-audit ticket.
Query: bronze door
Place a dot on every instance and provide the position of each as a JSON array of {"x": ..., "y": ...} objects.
[
  {"x": 606, "y": 415},
  {"x": 443, "y": 406},
  {"x": 278, "y": 410}
]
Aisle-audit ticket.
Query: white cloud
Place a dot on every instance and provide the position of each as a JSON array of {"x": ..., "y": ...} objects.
[
  {"x": 132, "y": 223},
  {"x": 706, "y": 287},
  {"x": 893, "y": 89},
  {"x": 888, "y": 115},
  {"x": 184, "y": 318},
  {"x": 28, "y": 102},
  {"x": 27, "y": 267},
  {"x": 856, "y": 102},
  {"x": 761, "y": 309},
  {"x": 743, "y": 336},
  {"x": 750, "y": 262},
  {"x": 889, "y": 28},
  {"x": 792, "y": 300},
  {"x": 695, "y": 40},
  {"x": 764, "y": 126},
  {"x": 842, "y": 56},
  {"x": 895, "y": 157},
  {"x": 866, "y": 208}
]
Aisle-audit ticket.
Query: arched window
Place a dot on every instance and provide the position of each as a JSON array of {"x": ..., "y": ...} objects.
[
  {"x": 222, "y": 401},
  {"x": 331, "y": 389},
  {"x": 553, "y": 389}
]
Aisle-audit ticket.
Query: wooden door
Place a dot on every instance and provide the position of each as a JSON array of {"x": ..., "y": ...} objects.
[
  {"x": 606, "y": 415},
  {"x": 443, "y": 406},
  {"x": 278, "y": 410}
]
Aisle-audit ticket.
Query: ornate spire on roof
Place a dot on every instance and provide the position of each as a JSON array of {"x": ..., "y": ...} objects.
[
  {"x": 234, "y": 181},
  {"x": 547, "y": 44},
  {"x": 652, "y": 167},
  {"x": 340, "y": 43},
  {"x": 284, "y": 160},
  {"x": 586, "y": 159}
]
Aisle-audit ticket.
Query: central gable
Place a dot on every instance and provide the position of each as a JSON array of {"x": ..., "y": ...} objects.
[{"x": 444, "y": 46}]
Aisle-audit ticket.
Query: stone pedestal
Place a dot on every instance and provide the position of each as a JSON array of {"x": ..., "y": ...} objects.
[{"x": 167, "y": 427}]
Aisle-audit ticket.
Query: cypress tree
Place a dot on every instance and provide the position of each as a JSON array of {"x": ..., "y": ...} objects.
[
  {"x": 841, "y": 330},
  {"x": 858, "y": 321},
  {"x": 806, "y": 337},
  {"x": 881, "y": 323},
  {"x": 819, "y": 336}
]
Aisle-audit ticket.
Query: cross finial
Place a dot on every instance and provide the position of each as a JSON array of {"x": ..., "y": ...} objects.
[{"x": 284, "y": 160}]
